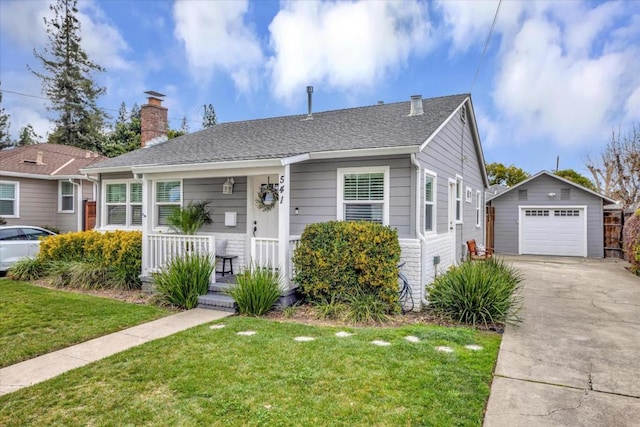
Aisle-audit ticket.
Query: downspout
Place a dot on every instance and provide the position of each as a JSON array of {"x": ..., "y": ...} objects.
[
  {"x": 79, "y": 188},
  {"x": 421, "y": 236}
]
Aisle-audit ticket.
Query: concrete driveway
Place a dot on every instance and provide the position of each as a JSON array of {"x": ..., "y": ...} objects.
[{"x": 575, "y": 358}]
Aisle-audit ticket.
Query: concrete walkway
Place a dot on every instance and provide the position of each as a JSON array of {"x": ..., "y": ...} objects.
[
  {"x": 42, "y": 368},
  {"x": 575, "y": 359}
]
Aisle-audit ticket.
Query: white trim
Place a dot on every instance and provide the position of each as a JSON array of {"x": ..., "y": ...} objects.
[
  {"x": 154, "y": 219},
  {"x": 522, "y": 208},
  {"x": 365, "y": 152},
  {"x": 60, "y": 195},
  {"x": 62, "y": 167},
  {"x": 284, "y": 216},
  {"x": 468, "y": 194},
  {"x": 16, "y": 199},
  {"x": 434, "y": 202},
  {"x": 442, "y": 125},
  {"x": 460, "y": 180},
  {"x": 451, "y": 217},
  {"x": 359, "y": 170},
  {"x": 295, "y": 159},
  {"x": 127, "y": 204},
  {"x": 479, "y": 209},
  {"x": 223, "y": 173},
  {"x": 38, "y": 176},
  {"x": 208, "y": 166}
]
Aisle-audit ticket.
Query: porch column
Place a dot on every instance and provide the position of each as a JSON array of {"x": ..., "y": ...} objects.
[
  {"x": 283, "y": 227},
  {"x": 147, "y": 222}
]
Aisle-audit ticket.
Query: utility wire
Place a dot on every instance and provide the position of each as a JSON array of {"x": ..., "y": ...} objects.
[{"x": 486, "y": 44}]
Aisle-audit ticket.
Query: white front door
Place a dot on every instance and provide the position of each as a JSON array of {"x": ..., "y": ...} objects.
[
  {"x": 265, "y": 222},
  {"x": 452, "y": 219}
]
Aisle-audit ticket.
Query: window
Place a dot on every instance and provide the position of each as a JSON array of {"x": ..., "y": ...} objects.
[
  {"x": 478, "y": 209},
  {"x": 9, "y": 199},
  {"x": 65, "y": 199},
  {"x": 458, "y": 199},
  {"x": 363, "y": 194},
  {"x": 123, "y": 204},
  {"x": 566, "y": 212},
  {"x": 468, "y": 194},
  {"x": 522, "y": 195},
  {"x": 429, "y": 201},
  {"x": 536, "y": 212},
  {"x": 168, "y": 198}
]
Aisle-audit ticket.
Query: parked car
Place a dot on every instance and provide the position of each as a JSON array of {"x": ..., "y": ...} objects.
[{"x": 19, "y": 241}]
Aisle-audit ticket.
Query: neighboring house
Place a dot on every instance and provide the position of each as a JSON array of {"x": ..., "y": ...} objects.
[
  {"x": 549, "y": 215},
  {"x": 41, "y": 185},
  {"x": 416, "y": 166}
]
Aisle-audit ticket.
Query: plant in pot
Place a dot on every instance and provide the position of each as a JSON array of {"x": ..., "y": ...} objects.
[{"x": 189, "y": 219}]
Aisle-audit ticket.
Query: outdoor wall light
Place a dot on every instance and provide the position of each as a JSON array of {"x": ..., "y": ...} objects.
[
  {"x": 227, "y": 187},
  {"x": 296, "y": 211},
  {"x": 551, "y": 195}
]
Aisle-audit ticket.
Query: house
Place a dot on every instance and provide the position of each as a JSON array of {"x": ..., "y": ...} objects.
[
  {"x": 41, "y": 184},
  {"x": 416, "y": 166},
  {"x": 549, "y": 215}
]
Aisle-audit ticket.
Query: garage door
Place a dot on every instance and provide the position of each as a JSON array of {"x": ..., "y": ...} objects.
[{"x": 553, "y": 231}]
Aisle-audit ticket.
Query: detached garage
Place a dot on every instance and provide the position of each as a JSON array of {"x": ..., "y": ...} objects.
[{"x": 549, "y": 215}]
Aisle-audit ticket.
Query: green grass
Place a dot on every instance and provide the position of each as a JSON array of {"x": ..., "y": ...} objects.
[
  {"x": 217, "y": 378},
  {"x": 35, "y": 320}
]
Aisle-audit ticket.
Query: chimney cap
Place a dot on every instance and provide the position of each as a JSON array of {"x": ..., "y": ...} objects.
[{"x": 154, "y": 93}]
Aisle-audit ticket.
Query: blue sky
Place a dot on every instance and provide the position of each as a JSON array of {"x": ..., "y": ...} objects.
[{"x": 557, "y": 76}]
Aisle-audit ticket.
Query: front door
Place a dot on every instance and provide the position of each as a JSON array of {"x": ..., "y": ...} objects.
[
  {"x": 264, "y": 221},
  {"x": 452, "y": 219}
]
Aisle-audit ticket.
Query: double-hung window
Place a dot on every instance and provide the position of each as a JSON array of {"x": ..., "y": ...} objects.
[
  {"x": 363, "y": 194},
  {"x": 168, "y": 197},
  {"x": 66, "y": 195},
  {"x": 9, "y": 199},
  {"x": 429, "y": 202},
  {"x": 458, "y": 199},
  {"x": 123, "y": 204},
  {"x": 478, "y": 208}
]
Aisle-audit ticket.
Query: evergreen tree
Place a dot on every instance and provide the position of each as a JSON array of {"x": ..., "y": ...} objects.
[
  {"x": 5, "y": 137},
  {"x": 122, "y": 113},
  {"x": 125, "y": 136},
  {"x": 135, "y": 111},
  {"x": 209, "y": 119},
  {"x": 28, "y": 136},
  {"x": 67, "y": 81},
  {"x": 184, "y": 126}
]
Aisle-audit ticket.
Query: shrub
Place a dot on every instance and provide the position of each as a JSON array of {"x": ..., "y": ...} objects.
[
  {"x": 184, "y": 279},
  {"x": 330, "y": 307},
  {"x": 478, "y": 292},
  {"x": 27, "y": 269},
  {"x": 189, "y": 219},
  {"x": 256, "y": 290},
  {"x": 51, "y": 228},
  {"x": 79, "y": 275},
  {"x": 363, "y": 307},
  {"x": 337, "y": 259},
  {"x": 631, "y": 238}
]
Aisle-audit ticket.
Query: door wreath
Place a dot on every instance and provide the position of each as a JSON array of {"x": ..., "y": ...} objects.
[{"x": 267, "y": 197}]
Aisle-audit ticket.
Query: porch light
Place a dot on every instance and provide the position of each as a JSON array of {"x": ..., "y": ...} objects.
[{"x": 227, "y": 187}]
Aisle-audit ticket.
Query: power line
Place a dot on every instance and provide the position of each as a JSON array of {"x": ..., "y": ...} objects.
[
  {"x": 105, "y": 109},
  {"x": 486, "y": 44}
]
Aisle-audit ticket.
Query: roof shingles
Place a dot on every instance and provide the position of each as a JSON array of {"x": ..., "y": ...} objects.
[{"x": 57, "y": 160}]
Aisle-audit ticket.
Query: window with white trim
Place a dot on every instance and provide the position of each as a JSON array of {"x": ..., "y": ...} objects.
[
  {"x": 65, "y": 197},
  {"x": 9, "y": 192},
  {"x": 363, "y": 194},
  {"x": 468, "y": 194},
  {"x": 458, "y": 199},
  {"x": 429, "y": 202},
  {"x": 168, "y": 198},
  {"x": 123, "y": 204},
  {"x": 478, "y": 209}
]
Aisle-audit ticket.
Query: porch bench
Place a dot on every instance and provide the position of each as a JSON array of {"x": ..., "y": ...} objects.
[{"x": 224, "y": 259}]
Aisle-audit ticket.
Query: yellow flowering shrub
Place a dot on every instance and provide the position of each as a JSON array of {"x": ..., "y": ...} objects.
[{"x": 341, "y": 258}]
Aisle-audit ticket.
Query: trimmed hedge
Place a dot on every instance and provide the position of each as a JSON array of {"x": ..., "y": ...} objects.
[
  {"x": 342, "y": 259},
  {"x": 631, "y": 237}
]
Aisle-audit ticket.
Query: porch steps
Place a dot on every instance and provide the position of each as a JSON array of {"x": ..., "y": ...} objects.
[{"x": 217, "y": 301}]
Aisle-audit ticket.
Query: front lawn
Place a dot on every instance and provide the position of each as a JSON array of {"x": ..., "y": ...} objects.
[
  {"x": 35, "y": 320},
  {"x": 207, "y": 376}
]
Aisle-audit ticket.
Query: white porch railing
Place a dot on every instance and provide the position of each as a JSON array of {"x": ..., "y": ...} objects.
[
  {"x": 264, "y": 252},
  {"x": 162, "y": 248},
  {"x": 293, "y": 243}
]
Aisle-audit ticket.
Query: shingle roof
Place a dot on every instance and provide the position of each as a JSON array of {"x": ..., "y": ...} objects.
[
  {"x": 378, "y": 126},
  {"x": 57, "y": 160}
]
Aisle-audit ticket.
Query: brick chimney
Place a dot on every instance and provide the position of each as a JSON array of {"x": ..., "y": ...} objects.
[{"x": 154, "y": 120}]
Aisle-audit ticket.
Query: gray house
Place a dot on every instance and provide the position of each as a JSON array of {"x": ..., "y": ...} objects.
[
  {"x": 416, "y": 166},
  {"x": 549, "y": 215}
]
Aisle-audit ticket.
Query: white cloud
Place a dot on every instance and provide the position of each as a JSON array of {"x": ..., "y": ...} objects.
[
  {"x": 215, "y": 36},
  {"x": 102, "y": 42},
  {"x": 22, "y": 21},
  {"x": 24, "y": 110},
  {"x": 344, "y": 45}
]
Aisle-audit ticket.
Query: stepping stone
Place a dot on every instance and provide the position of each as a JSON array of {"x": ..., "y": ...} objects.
[
  {"x": 220, "y": 326},
  {"x": 473, "y": 347},
  {"x": 444, "y": 349},
  {"x": 411, "y": 338},
  {"x": 247, "y": 333},
  {"x": 304, "y": 339},
  {"x": 343, "y": 334},
  {"x": 381, "y": 343}
]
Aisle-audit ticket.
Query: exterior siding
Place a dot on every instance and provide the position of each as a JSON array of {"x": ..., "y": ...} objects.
[
  {"x": 507, "y": 208},
  {"x": 314, "y": 191},
  {"x": 211, "y": 189}
]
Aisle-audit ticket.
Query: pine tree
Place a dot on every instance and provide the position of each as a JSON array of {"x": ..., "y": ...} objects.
[
  {"x": 125, "y": 136},
  {"x": 67, "y": 81},
  {"x": 209, "y": 118},
  {"x": 184, "y": 126},
  {"x": 122, "y": 113},
  {"x": 28, "y": 136},
  {"x": 5, "y": 124}
]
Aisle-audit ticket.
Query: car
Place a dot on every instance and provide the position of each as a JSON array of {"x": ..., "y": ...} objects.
[{"x": 19, "y": 241}]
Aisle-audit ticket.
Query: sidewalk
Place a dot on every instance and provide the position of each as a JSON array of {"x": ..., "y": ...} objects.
[{"x": 42, "y": 368}]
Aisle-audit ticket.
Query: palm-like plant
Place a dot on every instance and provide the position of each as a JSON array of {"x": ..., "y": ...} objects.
[{"x": 189, "y": 219}]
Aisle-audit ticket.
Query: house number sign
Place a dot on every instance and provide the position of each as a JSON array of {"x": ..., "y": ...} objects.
[{"x": 281, "y": 188}]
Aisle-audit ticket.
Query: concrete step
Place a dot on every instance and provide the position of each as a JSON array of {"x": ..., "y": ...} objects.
[
  {"x": 219, "y": 287},
  {"x": 217, "y": 301}
]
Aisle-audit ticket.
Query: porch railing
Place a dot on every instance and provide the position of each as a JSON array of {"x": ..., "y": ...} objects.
[
  {"x": 165, "y": 247},
  {"x": 264, "y": 252}
]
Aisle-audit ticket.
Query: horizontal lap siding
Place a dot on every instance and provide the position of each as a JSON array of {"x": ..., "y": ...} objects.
[
  {"x": 314, "y": 191},
  {"x": 210, "y": 189},
  {"x": 38, "y": 201}
]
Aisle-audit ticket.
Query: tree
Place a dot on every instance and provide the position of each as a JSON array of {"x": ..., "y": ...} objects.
[
  {"x": 505, "y": 175},
  {"x": 576, "y": 177},
  {"x": 209, "y": 118},
  {"x": 5, "y": 124},
  {"x": 617, "y": 172},
  {"x": 122, "y": 113},
  {"x": 27, "y": 136},
  {"x": 184, "y": 126},
  {"x": 126, "y": 133},
  {"x": 67, "y": 82}
]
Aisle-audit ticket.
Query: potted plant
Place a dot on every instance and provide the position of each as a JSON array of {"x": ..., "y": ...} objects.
[{"x": 189, "y": 219}]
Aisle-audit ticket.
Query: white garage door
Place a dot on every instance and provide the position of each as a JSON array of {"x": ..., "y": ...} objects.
[{"x": 553, "y": 231}]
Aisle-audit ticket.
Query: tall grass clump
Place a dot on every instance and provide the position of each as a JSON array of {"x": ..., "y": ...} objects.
[
  {"x": 183, "y": 280},
  {"x": 478, "y": 293},
  {"x": 27, "y": 269},
  {"x": 256, "y": 290}
]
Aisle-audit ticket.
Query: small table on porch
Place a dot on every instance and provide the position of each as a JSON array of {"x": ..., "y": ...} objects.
[{"x": 226, "y": 258}]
